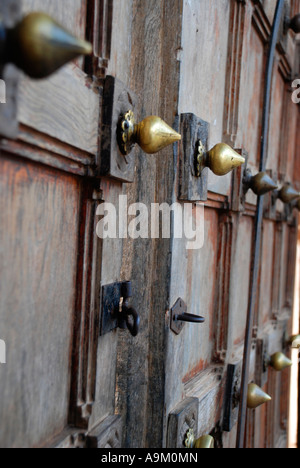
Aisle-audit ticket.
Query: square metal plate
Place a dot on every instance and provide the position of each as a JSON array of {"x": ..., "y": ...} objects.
[{"x": 117, "y": 100}]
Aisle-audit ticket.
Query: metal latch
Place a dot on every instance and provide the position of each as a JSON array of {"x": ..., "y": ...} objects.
[
  {"x": 179, "y": 317},
  {"x": 116, "y": 312}
]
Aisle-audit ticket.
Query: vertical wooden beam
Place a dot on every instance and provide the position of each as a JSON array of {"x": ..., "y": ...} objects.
[{"x": 155, "y": 72}]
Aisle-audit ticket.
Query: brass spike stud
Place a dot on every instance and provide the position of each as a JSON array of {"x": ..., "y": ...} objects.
[
  {"x": 221, "y": 159},
  {"x": 294, "y": 341},
  {"x": 204, "y": 442},
  {"x": 260, "y": 184},
  {"x": 287, "y": 194},
  {"x": 256, "y": 396},
  {"x": 279, "y": 362},
  {"x": 39, "y": 45},
  {"x": 152, "y": 134}
]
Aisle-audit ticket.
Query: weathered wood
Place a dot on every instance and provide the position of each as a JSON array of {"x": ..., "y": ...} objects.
[
  {"x": 193, "y": 130},
  {"x": 99, "y": 33},
  {"x": 70, "y": 13},
  {"x": 87, "y": 310},
  {"x": 236, "y": 41},
  {"x": 206, "y": 58},
  {"x": 156, "y": 37},
  {"x": 38, "y": 251},
  {"x": 223, "y": 271},
  {"x": 39, "y": 148},
  {"x": 181, "y": 420},
  {"x": 64, "y": 106},
  {"x": 107, "y": 435}
]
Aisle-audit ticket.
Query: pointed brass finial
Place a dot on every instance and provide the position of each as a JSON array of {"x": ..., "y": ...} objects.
[
  {"x": 152, "y": 134},
  {"x": 204, "y": 442},
  {"x": 288, "y": 194},
  {"x": 280, "y": 362},
  {"x": 260, "y": 184},
  {"x": 294, "y": 341},
  {"x": 256, "y": 397},
  {"x": 39, "y": 46},
  {"x": 221, "y": 159}
]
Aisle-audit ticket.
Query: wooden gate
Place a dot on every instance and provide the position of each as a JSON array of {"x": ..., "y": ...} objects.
[{"x": 72, "y": 378}]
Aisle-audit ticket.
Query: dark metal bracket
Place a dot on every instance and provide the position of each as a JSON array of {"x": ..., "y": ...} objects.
[
  {"x": 232, "y": 396},
  {"x": 179, "y": 317},
  {"x": 193, "y": 130},
  {"x": 261, "y": 365},
  {"x": 117, "y": 101},
  {"x": 116, "y": 312}
]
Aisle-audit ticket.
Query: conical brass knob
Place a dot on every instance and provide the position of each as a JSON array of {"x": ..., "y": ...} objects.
[
  {"x": 152, "y": 134},
  {"x": 280, "y": 362},
  {"x": 39, "y": 46},
  {"x": 260, "y": 184},
  {"x": 204, "y": 442},
  {"x": 256, "y": 397},
  {"x": 221, "y": 159},
  {"x": 288, "y": 194},
  {"x": 294, "y": 341}
]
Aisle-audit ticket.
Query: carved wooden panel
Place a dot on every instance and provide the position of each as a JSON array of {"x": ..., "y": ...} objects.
[
  {"x": 233, "y": 72},
  {"x": 87, "y": 309},
  {"x": 252, "y": 86},
  {"x": 240, "y": 268},
  {"x": 291, "y": 261},
  {"x": 38, "y": 251},
  {"x": 108, "y": 435},
  {"x": 277, "y": 257},
  {"x": 221, "y": 318},
  {"x": 183, "y": 418},
  {"x": 99, "y": 31},
  {"x": 65, "y": 106},
  {"x": 267, "y": 269},
  {"x": 278, "y": 133}
]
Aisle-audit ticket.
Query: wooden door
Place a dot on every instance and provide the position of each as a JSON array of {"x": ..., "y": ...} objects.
[
  {"x": 51, "y": 256},
  {"x": 64, "y": 383},
  {"x": 222, "y": 81}
]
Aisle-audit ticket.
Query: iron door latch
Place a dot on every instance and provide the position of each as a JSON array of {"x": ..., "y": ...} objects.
[
  {"x": 179, "y": 317},
  {"x": 116, "y": 311}
]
